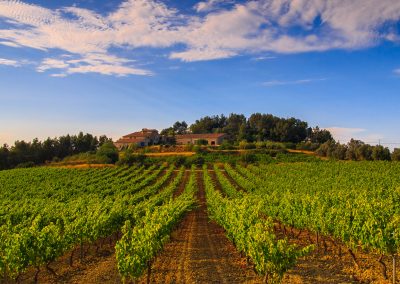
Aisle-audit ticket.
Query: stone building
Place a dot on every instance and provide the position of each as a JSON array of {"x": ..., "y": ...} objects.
[
  {"x": 142, "y": 138},
  {"x": 213, "y": 139}
]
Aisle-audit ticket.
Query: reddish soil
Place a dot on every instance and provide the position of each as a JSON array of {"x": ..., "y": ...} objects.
[
  {"x": 199, "y": 252},
  {"x": 181, "y": 187},
  {"x": 330, "y": 262},
  {"x": 98, "y": 266}
]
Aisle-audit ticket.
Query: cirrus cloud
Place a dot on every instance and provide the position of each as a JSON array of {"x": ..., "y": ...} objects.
[
  {"x": 9, "y": 62},
  {"x": 218, "y": 29}
]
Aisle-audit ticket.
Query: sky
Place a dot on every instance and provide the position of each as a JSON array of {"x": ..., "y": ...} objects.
[{"x": 114, "y": 67}]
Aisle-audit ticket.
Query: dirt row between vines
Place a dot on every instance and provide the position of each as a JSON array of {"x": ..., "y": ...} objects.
[
  {"x": 199, "y": 252},
  {"x": 330, "y": 262}
]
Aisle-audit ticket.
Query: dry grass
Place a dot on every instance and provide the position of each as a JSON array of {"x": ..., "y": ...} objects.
[{"x": 167, "y": 154}]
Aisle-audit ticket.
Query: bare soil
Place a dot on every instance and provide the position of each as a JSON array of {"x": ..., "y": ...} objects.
[{"x": 199, "y": 252}]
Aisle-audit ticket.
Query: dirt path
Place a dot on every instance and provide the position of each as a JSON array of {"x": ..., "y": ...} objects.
[{"x": 199, "y": 252}]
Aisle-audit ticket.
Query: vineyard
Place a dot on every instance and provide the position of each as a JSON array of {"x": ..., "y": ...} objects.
[{"x": 314, "y": 222}]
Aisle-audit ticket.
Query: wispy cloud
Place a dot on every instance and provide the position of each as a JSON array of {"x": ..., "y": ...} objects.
[
  {"x": 295, "y": 82},
  {"x": 344, "y": 134},
  {"x": 261, "y": 58},
  {"x": 219, "y": 29},
  {"x": 90, "y": 63},
  {"x": 397, "y": 71},
  {"x": 10, "y": 44},
  {"x": 9, "y": 62},
  {"x": 210, "y": 5}
]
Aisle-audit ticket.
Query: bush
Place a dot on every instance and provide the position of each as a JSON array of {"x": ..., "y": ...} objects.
[
  {"x": 274, "y": 145},
  {"x": 176, "y": 160},
  {"x": 194, "y": 160},
  {"x": 396, "y": 154},
  {"x": 264, "y": 159},
  {"x": 248, "y": 158},
  {"x": 130, "y": 159},
  {"x": 246, "y": 145},
  {"x": 202, "y": 142},
  {"x": 56, "y": 159},
  {"x": 25, "y": 165},
  {"x": 289, "y": 145},
  {"x": 380, "y": 153},
  {"x": 309, "y": 146},
  {"x": 189, "y": 147},
  {"x": 260, "y": 145},
  {"x": 199, "y": 150},
  {"x": 107, "y": 153},
  {"x": 81, "y": 158},
  {"x": 226, "y": 145}
]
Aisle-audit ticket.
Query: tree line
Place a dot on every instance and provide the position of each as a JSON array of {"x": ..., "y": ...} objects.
[
  {"x": 357, "y": 150},
  {"x": 267, "y": 127},
  {"x": 38, "y": 152},
  {"x": 258, "y": 127}
]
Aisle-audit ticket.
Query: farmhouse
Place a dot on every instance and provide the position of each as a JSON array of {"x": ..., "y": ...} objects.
[
  {"x": 211, "y": 138},
  {"x": 142, "y": 138}
]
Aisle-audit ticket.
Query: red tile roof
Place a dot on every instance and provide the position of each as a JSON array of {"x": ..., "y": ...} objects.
[
  {"x": 144, "y": 133},
  {"x": 130, "y": 140}
]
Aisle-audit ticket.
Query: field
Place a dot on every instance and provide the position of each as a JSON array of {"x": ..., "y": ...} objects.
[{"x": 291, "y": 222}]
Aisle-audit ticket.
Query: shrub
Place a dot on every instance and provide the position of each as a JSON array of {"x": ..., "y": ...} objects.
[
  {"x": 274, "y": 145},
  {"x": 107, "y": 153},
  {"x": 189, "y": 147},
  {"x": 260, "y": 145},
  {"x": 195, "y": 160},
  {"x": 132, "y": 159},
  {"x": 25, "y": 165},
  {"x": 248, "y": 158},
  {"x": 202, "y": 142},
  {"x": 177, "y": 160},
  {"x": 396, "y": 154},
  {"x": 226, "y": 145},
  {"x": 309, "y": 146},
  {"x": 246, "y": 145}
]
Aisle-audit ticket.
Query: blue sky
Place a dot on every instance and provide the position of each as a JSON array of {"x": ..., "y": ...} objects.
[{"x": 112, "y": 67}]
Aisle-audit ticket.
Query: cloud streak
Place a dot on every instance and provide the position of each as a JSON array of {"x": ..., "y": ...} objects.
[
  {"x": 344, "y": 134},
  {"x": 295, "y": 82},
  {"x": 211, "y": 5},
  {"x": 9, "y": 62},
  {"x": 218, "y": 29}
]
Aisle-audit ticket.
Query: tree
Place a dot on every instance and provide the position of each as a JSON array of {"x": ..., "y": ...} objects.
[
  {"x": 38, "y": 152},
  {"x": 380, "y": 153},
  {"x": 396, "y": 154},
  {"x": 289, "y": 130},
  {"x": 107, "y": 153},
  {"x": 352, "y": 150},
  {"x": 4, "y": 153},
  {"x": 168, "y": 131},
  {"x": 209, "y": 124},
  {"x": 233, "y": 124},
  {"x": 180, "y": 127},
  {"x": 317, "y": 135},
  {"x": 261, "y": 126},
  {"x": 65, "y": 147},
  {"x": 104, "y": 139}
]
